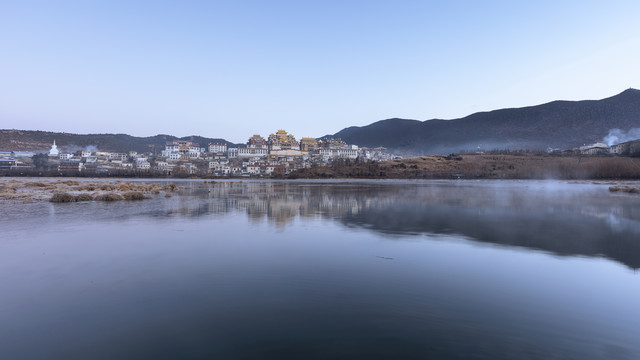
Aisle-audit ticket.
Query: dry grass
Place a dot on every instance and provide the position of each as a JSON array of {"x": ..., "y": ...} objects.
[
  {"x": 133, "y": 195},
  {"x": 107, "y": 187},
  {"x": 108, "y": 197},
  {"x": 37, "y": 184},
  {"x": 486, "y": 166},
  {"x": 68, "y": 182},
  {"x": 171, "y": 187},
  {"x": 87, "y": 187},
  {"x": 627, "y": 189},
  {"x": 70, "y": 190},
  {"x": 15, "y": 196},
  {"x": 84, "y": 197},
  {"x": 6, "y": 188},
  {"x": 62, "y": 197}
]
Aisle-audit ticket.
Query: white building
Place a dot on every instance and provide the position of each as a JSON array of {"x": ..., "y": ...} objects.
[
  {"x": 252, "y": 152},
  {"x": 117, "y": 156},
  {"x": 220, "y": 169},
  {"x": 54, "y": 150},
  {"x": 339, "y": 153},
  {"x": 217, "y": 147},
  {"x": 186, "y": 150},
  {"x": 289, "y": 153},
  {"x": 616, "y": 149},
  {"x": 593, "y": 149}
]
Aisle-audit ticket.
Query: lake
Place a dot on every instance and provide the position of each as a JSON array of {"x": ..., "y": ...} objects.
[{"x": 326, "y": 269}]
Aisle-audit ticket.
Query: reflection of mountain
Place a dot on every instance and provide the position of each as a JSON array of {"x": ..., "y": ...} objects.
[
  {"x": 564, "y": 219},
  {"x": 562, "y": 232}
]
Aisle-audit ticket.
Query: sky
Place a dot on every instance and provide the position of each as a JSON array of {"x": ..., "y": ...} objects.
[{"x": 230, "y": 69}]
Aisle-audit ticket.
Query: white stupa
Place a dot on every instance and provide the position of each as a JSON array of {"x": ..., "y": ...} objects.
[{"x": 54, "y": 149}]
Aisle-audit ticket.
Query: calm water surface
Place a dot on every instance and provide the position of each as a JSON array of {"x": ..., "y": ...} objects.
[{"x": 306, "y": 270}]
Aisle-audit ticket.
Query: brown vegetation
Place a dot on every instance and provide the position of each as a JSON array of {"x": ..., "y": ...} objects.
[
  {"x": 7, "y": 188},
  {"x": 133, "y": 195},
  {"x": 170, "y": 187},
  {"x": 623, "y": 188},
  {"x": 484, "y": 166},
  {"x": 108, "y": 197},
  {"x": 84, "y": 197},
  {"x": 72, "y": 191},
  {"x": 61, "y": 197}
]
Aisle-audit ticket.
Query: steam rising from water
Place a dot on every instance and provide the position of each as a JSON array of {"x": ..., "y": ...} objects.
[{"x": 617, "y": 136}]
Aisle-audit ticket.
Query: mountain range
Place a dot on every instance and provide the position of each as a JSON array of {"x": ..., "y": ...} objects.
[
  {"x": 558, "y": 124},
  {"x": 30, "y": 140}
]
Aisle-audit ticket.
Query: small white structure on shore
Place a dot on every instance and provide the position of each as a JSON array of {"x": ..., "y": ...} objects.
[{"x": 54, "y": 152}]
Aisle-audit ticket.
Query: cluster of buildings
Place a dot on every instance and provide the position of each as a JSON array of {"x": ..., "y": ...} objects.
[
  {"x": 89, "y": 161},
  {"x": 625, "y": 148},
  {"x": 279, "y": 154}
]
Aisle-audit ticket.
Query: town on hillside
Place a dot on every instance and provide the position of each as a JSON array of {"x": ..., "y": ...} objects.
[{"x": 277, "y": 155}]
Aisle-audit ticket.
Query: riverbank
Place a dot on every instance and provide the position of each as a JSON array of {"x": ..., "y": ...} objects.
[{"x": 28, "y": 190}]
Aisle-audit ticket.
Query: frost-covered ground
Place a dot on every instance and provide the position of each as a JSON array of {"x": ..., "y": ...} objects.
[{"x": 66, "y": 190}]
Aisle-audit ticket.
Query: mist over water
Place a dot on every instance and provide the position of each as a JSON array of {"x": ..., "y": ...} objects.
[{"x": 308, "y": 269}]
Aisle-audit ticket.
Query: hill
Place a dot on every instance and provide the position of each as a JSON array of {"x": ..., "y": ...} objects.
[
  {"x": 27, "y": 140},
  {"x": 558, "y": 124}
]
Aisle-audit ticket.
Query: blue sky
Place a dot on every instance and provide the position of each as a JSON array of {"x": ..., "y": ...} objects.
[{"x": 234, "y": 68}]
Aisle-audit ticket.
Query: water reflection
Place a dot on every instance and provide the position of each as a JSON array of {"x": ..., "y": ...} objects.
[
  {"x": 305, "y": 269},
  {"x": 561, "y": 218}
]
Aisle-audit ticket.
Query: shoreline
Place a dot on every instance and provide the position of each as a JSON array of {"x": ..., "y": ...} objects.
[
  {"x": 515, "y": 166},
  {"x": 27, "y": 190},
  {"x": 69, "y": 190}
]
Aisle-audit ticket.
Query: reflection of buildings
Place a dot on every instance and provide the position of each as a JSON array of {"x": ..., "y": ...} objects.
[
  {"x": 285, "y": 200},
  {"x": 279, "y": 202},
  {"x": 557, "y": 219}
]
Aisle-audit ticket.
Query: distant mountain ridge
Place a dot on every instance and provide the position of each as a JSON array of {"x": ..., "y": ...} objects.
[
  {"x": 557, "y": 124},
  {"x": 31, "y": 140}
]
